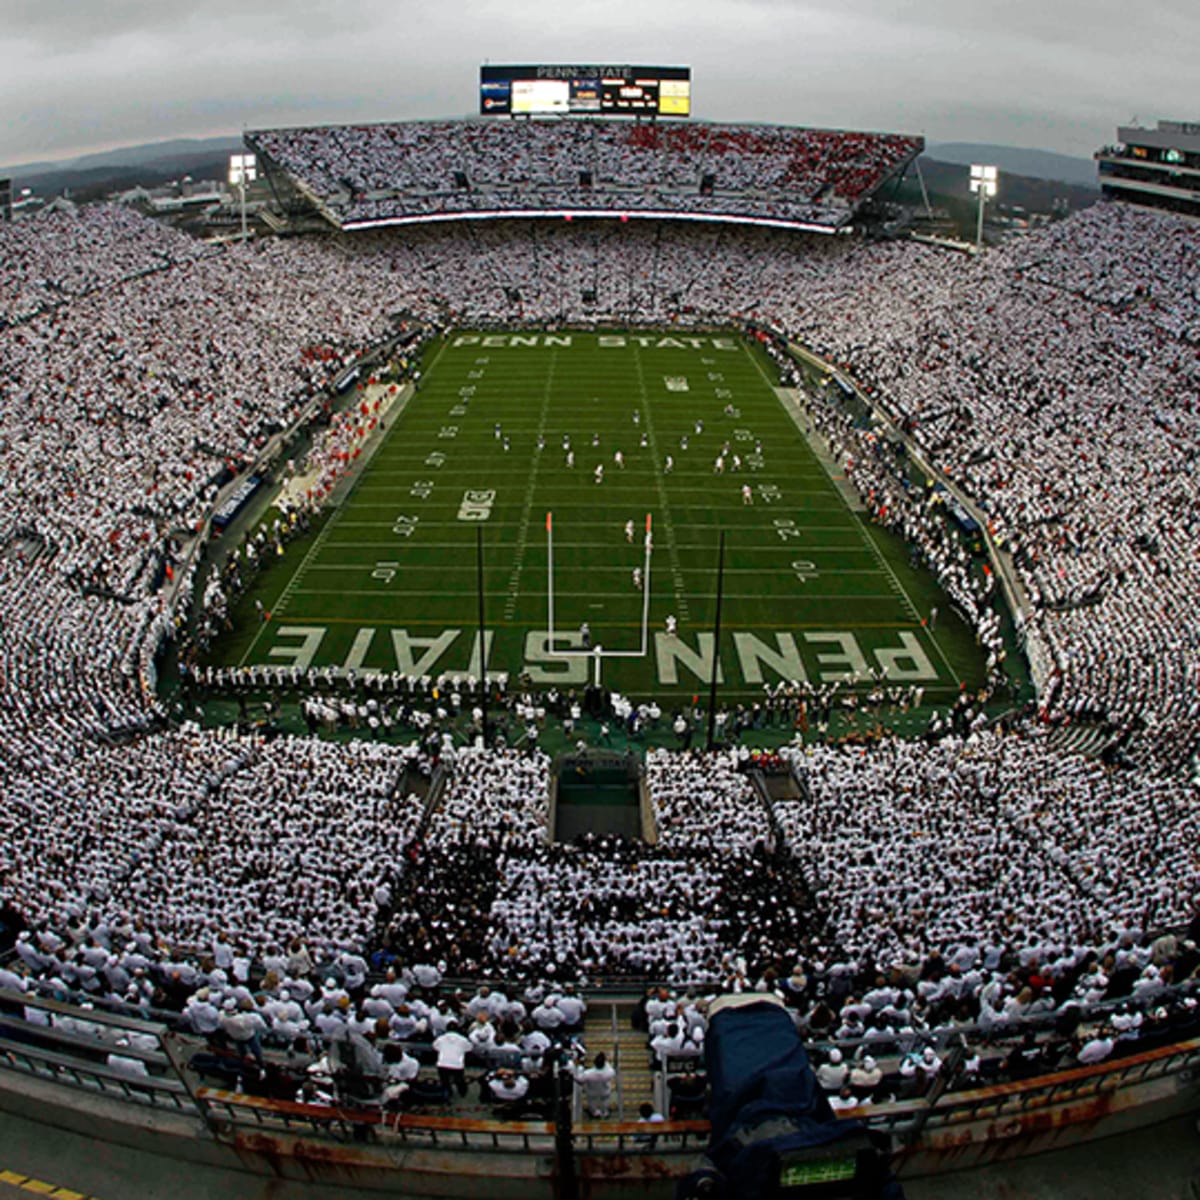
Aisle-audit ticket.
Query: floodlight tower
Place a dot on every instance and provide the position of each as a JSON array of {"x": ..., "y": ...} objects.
[
  {"x": 983, "y": 182},
  {"x": 243, "y": 169}
]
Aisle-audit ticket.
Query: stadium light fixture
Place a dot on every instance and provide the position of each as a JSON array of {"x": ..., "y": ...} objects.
[
  {"x": 984, "y": 182},
  {"x": 243, "y": 169}
]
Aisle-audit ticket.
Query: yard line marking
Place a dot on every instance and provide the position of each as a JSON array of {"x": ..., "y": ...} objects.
[
  {"x": 514, "y": 579},
  {"x": 681, "y": 599}
]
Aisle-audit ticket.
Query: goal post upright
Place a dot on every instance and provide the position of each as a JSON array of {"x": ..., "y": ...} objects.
[
  {"x": 550, "y": 581},
  {"x": 646, "y": 590}
]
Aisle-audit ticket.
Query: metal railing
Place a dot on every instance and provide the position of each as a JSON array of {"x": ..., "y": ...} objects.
[
  {"x": 1070, "y": 1091},
  {"x": 115, "y": 1056},
  {"x": 144, "y": 1064},
  {"x": 230, "y": 1111}
]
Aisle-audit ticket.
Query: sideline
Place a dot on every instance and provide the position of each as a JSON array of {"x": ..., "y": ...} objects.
[{"x": 855, "y": 509}]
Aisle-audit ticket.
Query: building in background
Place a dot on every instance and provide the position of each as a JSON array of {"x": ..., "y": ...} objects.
[{"x": 1156, "y": 167}]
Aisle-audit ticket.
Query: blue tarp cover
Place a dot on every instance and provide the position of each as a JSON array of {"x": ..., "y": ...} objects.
[{"x": 760, "y": 1080}]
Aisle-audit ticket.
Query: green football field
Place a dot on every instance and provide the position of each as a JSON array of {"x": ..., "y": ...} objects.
[{"x": 812, "y": 590}]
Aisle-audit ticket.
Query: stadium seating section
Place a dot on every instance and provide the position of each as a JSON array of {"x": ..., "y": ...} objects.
[
  {"x": 366, "y": 174},
  {"x": 1055, "y": 380}
]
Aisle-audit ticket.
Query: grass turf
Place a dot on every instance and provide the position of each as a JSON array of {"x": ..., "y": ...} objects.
[{"x": 811, "y": 588}]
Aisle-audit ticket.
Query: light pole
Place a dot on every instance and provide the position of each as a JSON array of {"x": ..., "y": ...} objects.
[
  {"x": 243, "y": 169},
  {"x": 983, "y": 182}
]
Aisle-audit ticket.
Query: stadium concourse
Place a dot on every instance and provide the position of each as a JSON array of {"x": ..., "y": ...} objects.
[{"x": 252, "y": 886}]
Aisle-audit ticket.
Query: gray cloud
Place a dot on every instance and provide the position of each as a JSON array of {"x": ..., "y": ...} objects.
[{"x": 1030, "y": 72}]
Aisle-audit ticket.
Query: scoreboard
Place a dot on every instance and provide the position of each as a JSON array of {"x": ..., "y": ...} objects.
[
  {"x": 5, "y": 199},
  {"x": 585, "y": 90}
]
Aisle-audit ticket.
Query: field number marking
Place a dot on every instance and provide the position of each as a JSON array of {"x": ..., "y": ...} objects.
[{"x": 476, "y": 505}]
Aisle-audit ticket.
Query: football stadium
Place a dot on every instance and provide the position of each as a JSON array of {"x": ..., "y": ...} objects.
[{"x": 573, "y": 654}]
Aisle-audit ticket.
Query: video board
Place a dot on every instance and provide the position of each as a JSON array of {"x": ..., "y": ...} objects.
[
  {"x": 585, "y": 91},
  {"x": 5, "y": 199}
]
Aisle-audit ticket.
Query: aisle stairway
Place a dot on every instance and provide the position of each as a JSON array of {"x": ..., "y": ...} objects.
[{"x": 608, "y": 1027}]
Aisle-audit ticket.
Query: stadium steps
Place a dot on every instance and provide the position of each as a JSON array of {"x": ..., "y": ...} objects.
[
  {"x": 637, "y": 1082},
  {"x": 763, "y": 794},
  {"x": 272, "y": 221},
  {"x": 1088, "y": 740},
  {"x": 608, "y": 1027},
  {"x": 432, "y": 800}
]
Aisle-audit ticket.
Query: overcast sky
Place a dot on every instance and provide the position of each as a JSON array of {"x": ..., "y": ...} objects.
[{"x": 82, "y": 75}]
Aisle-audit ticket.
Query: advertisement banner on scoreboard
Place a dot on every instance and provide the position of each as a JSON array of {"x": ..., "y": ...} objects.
[
  {"x": 547, "y": 90},
  {"x": 585, "y": 95},
  {"x": 495, "y": 97}
]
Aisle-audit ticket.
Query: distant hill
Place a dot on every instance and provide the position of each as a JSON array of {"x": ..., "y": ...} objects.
[
  {"x": 1032, "y": 179},
  {"x": 156, "y": 153},
  {"x": 948, "y": 185},
  {"x": 94, "y": 176},
  {"x": 1033, "y": 164},
  {"x": 953, "y": 181}
]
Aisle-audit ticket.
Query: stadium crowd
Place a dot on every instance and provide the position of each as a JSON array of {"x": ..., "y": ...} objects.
[
  {"x": 1055, "y": 381},
  {"x": 368, "y": 173}
]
